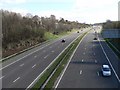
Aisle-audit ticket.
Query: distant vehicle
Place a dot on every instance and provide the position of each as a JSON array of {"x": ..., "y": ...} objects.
[
  {"x": 95, "y": 38},
  {"x": 63, "y": 40},
  {"x": 106, "y": 71},
  {"x": 77, "y": 31}
]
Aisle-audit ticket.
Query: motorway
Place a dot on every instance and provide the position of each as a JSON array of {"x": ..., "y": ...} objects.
[
  {"x": 84, "y": 69},
  {"x": 21, "y": 70}
]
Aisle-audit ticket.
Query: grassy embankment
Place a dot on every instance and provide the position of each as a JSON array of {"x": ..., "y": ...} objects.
[
  {"x": 114, "y": 46},
  {"x": 48, "y": 36}
]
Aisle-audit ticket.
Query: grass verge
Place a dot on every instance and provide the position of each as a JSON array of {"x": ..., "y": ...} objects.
[
  {"x": 48, "y": 36},
  {"x": 58, "y": 66},
  {"x": 116, "y": 52}
]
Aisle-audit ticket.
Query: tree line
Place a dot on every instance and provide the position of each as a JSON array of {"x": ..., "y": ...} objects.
[
  {"x": 20, "y": 32},
  {"x": 111, "y": 24}
]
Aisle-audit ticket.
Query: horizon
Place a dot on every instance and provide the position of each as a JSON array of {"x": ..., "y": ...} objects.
[{"x": 72, "y": 10}]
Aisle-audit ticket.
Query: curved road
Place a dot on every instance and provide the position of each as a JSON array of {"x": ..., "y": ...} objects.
[
  {"x": 84, "y": 69},
  {"x": 21, "y": 70}
]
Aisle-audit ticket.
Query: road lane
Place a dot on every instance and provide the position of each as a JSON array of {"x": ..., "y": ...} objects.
[
  {"x": 90, "y": 76},
  {"x": 24, "y": 70}
]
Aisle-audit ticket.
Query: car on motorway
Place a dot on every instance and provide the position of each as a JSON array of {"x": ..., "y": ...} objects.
[
  {"x": 106, "y": 71},
  {"x": 63, "y": 40},
  {"x": 95, "y": 38}
]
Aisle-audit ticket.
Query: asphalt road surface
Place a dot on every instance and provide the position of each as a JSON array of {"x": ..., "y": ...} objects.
[
  {"x": 21, "y": 70},
  {"x": 84, "y": 69}
]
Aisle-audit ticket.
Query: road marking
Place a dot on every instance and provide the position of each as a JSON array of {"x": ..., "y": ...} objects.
[
  {"x": 52, "y": 51},
  {"x": 50, "y": 65},
  {"x": 113, "y": 46},
  {"x": 46, "y": 56},
  {"x": 80, "y": 72},
  {"x": 84, "y": 53},
  {"x": 95, "y": 61},
  {"x": 85, "y": 48},
  {"x": 16, "y": 79},
  {"x": 2, "y": 77},
  {"x": 33, "y": 66},
  {"x": 22, "y": 64},
  {"x": 112, "y": 50},
  {"x": 108, "y": 60},
  {"x": 82, "y": 60},
  {"x": 68, "y": 63},
  {"x": 93, "y": 45},
  {"x": 98, "y": 74},
  {"x": 35, "y": 56},
  {"x": 23, "y": 57},
  {"x": 94, "y": 54}
]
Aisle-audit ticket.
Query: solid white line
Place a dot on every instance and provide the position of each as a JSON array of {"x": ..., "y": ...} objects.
[
  {"x": 22, "y": 64},
  {"x": 33, "y": 66},
  {"x": 1, "y": 77},
  {"x": 109, "y": 60},
  {"x": 80, "y": 72},
  {"x": 35, "y": 80},
  {"x": 16, "y": 79},
  {"x": 68, "y": 63},
  {"x": 46, "y": 56}
]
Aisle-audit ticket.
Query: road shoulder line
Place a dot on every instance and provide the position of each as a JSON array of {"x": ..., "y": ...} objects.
[{"x": 108, "y": 60}]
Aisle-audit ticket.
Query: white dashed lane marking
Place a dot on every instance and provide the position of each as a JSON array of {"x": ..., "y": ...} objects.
[
  {"x": 80, "y": 72},
  {"x": 46, "y": 56},
  {"x": 82, "y": 60},
  {"x": 33, "y": 66},
  {"x": 98, "y": 73},
  {"x": 2, "y": 77},
  {"x": 35, "y": 56},
  {"x": 52, "y": 51},
  {"x": 22, "y": 65},
  {"x": 16, "y": 79},
  {"x": 95, "y": 61}
]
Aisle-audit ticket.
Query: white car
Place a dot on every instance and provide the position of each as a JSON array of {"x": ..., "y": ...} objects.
[{"x": 106, "y": 71}]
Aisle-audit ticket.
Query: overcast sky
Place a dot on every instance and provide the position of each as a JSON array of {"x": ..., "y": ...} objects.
[{"x": 85, "y": 11}]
